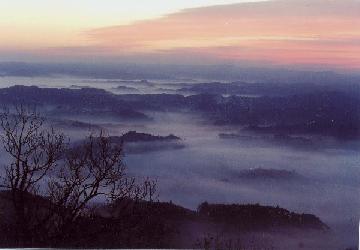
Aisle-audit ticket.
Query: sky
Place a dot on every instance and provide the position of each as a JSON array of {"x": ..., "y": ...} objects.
[{"x": 275, "y": 32}]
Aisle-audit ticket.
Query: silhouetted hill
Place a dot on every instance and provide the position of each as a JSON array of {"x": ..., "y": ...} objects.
[
  {"x": 168, "y": 71},
  {"x": 327, "y": 113},
  {"x": 158, "y": 102},
  {"x": 257, "y": 217},
  {"x": 275, "y": 174},
  {"x": 125, "y": 89},
  {"x": 137, "y": 143},
  {"x": 162, "y": 224},
  {"x": 133, "y": 136},
  {"x": 268, "y": 88},
  {"x": 85, "y": 101}
]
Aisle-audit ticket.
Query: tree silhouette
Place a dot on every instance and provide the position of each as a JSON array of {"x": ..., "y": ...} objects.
[
  {"x": 33, "y": 153},
  {"x": 52, "y": 184}
]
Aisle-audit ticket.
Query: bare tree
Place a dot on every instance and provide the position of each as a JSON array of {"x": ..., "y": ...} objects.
[
  {"x": 33, "y": 152},
  {"x": 93, "y": 169},
  {"x": 74, "y": 177}
]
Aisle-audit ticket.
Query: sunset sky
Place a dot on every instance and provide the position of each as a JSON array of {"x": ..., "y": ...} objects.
[{"x": 275, "y": 32}]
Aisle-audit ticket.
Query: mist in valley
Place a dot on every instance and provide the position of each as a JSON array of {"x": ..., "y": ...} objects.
[
  {"x": 324, "y": 174},
  {"x": 312, "y": 174}
]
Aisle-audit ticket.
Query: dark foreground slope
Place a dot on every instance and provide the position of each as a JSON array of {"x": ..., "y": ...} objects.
[{"x": 164, "y": 225}]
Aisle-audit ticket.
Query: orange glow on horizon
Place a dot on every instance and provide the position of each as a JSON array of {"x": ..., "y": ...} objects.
[{"x": 278, "y": 31}]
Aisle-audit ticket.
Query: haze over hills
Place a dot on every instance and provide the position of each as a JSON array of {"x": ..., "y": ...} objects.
[
  {"x": 327, "y": 113},
  {"x": 86, "y": 101},
  {"x": 225, "y": 72},
  {"x": 324, "y": 112},
  {"x": 213, "y": 140}
]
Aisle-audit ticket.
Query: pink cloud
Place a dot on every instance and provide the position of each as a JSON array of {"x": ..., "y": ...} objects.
[{"x": 281, "y": 32}]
